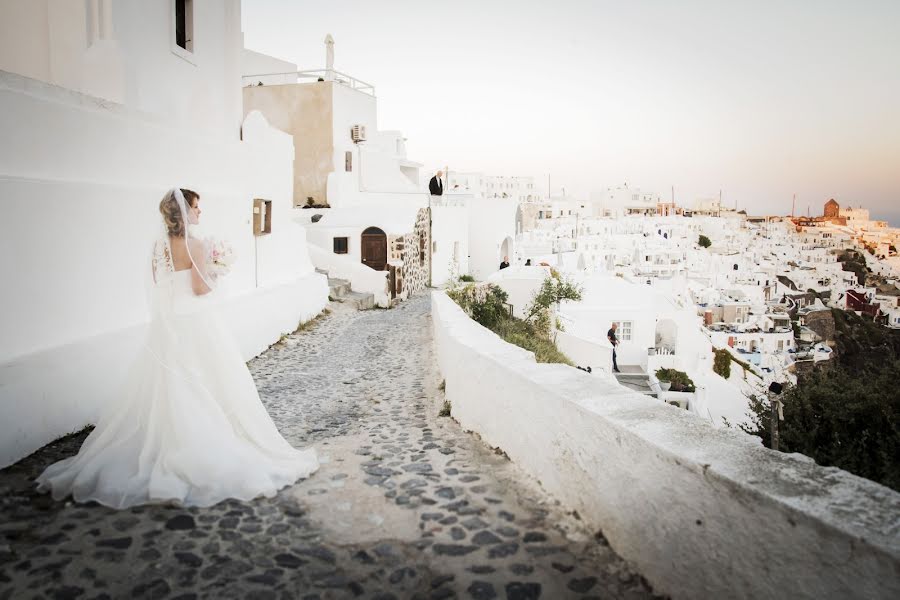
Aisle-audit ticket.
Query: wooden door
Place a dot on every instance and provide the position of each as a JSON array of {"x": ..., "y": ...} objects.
[{"x": 374, "y": 248}]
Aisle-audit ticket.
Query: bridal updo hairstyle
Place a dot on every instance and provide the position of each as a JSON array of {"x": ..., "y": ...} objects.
[{"x": 171, "y": 213}]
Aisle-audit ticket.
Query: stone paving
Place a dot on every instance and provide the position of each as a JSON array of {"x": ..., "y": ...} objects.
[{"x": 405, "y": 505}]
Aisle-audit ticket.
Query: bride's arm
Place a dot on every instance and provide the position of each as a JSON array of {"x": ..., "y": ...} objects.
[{"x": 198, "y": 271}]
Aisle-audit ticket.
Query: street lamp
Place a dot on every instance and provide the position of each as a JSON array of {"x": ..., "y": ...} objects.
[{"x": 776, "y": 405}]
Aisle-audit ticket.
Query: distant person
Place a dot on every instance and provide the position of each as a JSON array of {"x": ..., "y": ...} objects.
[
  {"x": 505, "y": 263},
  {"x": 528, "y": 263},
  {"x": 436, "y": 186},
  {"x": 611, "y": 336}
]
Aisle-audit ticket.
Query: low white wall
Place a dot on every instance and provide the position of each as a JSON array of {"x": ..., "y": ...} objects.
[
  {"x": 361, "y": 278},
  {"x": 700, "y": 512},
  {"x": 520, "y": 284},
  {"x": 586, "y": 352}
]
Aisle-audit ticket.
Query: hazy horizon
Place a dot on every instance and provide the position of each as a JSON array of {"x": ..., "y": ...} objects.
[{"x": 761, "y": 101}]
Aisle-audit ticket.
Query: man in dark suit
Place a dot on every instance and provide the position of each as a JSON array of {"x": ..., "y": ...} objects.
[
  {"x": 614, "y": 340},
  {"x": 436, "y": 186}
]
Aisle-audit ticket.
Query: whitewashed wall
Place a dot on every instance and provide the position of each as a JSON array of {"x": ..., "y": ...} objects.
[
  {"x": 80, "y": 185},
  {"x": 127, "y": 54},
  {"x": 449, "y": 226},
  {"x": 701, "y": 512},
  {"x": 491, "y": 221}
]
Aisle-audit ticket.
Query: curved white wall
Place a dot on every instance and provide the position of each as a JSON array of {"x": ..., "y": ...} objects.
[
  {"x": 701, "y": 512},
  {"x": 80, "y": 184}
]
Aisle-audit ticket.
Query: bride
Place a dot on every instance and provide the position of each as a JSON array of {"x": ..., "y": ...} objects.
[{"x": 189, "y": 426}]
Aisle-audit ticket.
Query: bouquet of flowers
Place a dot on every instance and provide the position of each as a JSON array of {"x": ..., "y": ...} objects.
[{"x": 220, "y": 259}]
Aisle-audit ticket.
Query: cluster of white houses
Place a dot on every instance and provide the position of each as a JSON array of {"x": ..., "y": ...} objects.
[{"x": 763, "y": 289}]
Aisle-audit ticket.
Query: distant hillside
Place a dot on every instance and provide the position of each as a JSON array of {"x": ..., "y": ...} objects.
[
  {"x": 862, "y": 345},
  {"x": 846, "y": 415}
]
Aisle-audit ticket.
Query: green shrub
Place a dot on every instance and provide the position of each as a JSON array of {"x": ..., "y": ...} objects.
[
  {"x": 525, "y": 335},
  {"x": 722, "y": 363},
  {"x": 466, "y": 278},
  {"x": 485, "y": 303},
  {"x": 704, "y": 241},
  {"x": 679, "y": 380}
]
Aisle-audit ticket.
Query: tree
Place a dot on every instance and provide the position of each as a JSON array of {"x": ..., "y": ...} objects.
[
  {"x": 841, "y": 419},
  {"x": 553, "y": 290},
  {"x": 704, "y": 241}
]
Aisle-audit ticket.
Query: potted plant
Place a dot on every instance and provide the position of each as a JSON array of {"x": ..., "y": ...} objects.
[
  {"x": 678, "y": 380},
  {"x": 664, "y": 380}
]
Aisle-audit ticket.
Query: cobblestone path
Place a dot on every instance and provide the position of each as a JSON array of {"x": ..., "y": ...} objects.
[{"x": 405, "y": 505}]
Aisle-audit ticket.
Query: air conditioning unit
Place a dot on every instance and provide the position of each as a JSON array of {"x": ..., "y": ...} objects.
[{"x": 358, "y": 133}]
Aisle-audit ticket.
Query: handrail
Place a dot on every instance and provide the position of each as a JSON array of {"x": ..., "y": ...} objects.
[{"x": 324, "y": 74}]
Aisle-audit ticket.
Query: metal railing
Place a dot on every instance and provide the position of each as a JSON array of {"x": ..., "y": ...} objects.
[{"x": 310, "y": 75}]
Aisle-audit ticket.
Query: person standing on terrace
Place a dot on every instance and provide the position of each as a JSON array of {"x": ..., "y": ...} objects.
[
  {"x": 611, "y": 336},
  {"x": 436, "y": 186}
]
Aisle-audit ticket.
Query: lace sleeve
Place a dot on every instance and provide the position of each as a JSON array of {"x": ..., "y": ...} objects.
[{"x": 161, "y": 263}]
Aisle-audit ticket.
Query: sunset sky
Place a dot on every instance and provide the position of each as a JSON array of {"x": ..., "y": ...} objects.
[{"x": 759, "y": 99}]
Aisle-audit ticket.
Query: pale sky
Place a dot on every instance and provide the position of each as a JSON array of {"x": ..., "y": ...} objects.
[{"x": 760, "y": 99}]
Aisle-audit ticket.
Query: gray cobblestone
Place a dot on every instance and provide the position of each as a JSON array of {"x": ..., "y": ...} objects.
[{"x": 362, "y": 388}]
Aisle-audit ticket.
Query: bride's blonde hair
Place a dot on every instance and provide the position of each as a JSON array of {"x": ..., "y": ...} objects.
[{"x": 171, "y": 213}]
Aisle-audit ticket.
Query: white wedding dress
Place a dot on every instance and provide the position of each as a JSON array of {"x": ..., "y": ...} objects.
[{"x": 189, "y": 426}]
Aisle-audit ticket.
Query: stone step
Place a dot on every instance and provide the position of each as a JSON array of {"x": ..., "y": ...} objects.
[
  {"x": 362, "y": 301},
  {"x": 338, "y": 288},
  {"x": 639, "y": 382}
]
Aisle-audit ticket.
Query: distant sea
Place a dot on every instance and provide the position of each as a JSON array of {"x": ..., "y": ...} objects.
[{"x": 891, "y": 216}]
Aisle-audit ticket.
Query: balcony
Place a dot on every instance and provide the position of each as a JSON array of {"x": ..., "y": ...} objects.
[{"x": 309, "y": 76}]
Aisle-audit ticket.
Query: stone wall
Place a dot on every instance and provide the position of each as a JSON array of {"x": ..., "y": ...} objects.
[
  {"x": 701, "y": 512},
  {"x": 411, "y": 253}
]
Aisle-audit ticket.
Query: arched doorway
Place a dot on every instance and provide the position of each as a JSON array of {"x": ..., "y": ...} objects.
[
  {"x": 666, "y": 336},
  {"x": 506, "y": 248},
  {"x": 374, "y": 249}
]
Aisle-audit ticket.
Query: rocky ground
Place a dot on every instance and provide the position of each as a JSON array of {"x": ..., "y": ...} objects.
[{"x": 405, "y": 505}]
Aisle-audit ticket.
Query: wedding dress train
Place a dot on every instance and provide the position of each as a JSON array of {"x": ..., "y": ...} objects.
[{"x": 189, "y": 426}]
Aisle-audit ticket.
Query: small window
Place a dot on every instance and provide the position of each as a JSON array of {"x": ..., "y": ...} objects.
[
  {"x": 624, "y": 331},
  {"x": 184, "y": 24},
  {"x": 262, "y": 217},
  {"x": 340, "y": 245}
]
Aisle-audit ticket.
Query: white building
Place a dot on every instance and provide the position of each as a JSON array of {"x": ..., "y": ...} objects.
[
  {"x": 519, "y": 188},
  {"x": 105, "y": 106}
]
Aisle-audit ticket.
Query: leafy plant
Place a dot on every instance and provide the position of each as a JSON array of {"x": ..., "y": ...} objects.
[
  {"x": 485, "y": 302},
  {"x": 722, "y": 363},
  {"x": 526, "y": 335},
  {"x": 679, "y": 379},
  {"x": 445, "y": 409},
  {"x": 466, "y": 278},
  {"x": 704, "y": 242},
  {"x": 554, "y": 289}
]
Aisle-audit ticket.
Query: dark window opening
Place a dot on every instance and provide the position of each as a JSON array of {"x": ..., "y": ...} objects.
[
  {"x": 340, "y": 245},
  {"x": 184, "y": 24}
]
